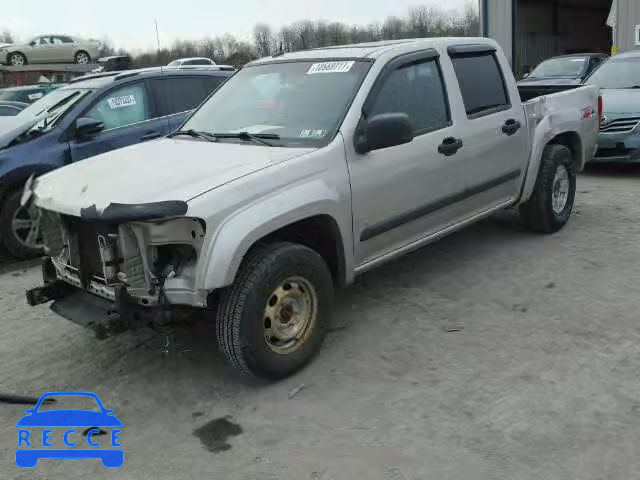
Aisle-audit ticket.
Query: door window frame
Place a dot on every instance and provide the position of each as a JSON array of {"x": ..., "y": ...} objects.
[
  {"x": 467, "y": 51},
  {"x": 396, "y": 63}
]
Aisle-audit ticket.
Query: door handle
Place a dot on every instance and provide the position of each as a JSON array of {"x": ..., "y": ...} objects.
[
  {"x": 511, "y": 127},
  {"x": 150, "y": 136},
  {"x": 450, "y": 146}
]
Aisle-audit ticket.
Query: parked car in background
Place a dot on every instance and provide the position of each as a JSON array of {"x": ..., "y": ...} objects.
[
  {"x": 85, "y": 118},
  {"x": 9, "y": 108},
  {"x": 267, "y": 199},
  {"x": 50, "y": 49},
  {"x": 195, "y": 61},
  {"x": 619, "y": 80},
  {"x": 564, "y": 70},
  {"x": 28, "y": 93}
]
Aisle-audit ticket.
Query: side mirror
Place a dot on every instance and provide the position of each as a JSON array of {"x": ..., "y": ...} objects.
[
  {"x": 383, "y": 131},
  {"x": 86, "y": 127},
  {"x": 32, "y": 44}
]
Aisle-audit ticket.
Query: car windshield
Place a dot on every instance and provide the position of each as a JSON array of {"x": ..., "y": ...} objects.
[
  {"x": 561, "y": 67},
  {"x": 617, "y": 73},
  {"x": 57, "y": 101},
  {"x": 70, "y": 402},
  {"x": 21, "y": 95},
  {"x": 299, "y": 104}
]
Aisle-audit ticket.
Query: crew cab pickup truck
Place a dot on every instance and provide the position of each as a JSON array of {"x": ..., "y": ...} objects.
[{"x": 299, "y": 173}]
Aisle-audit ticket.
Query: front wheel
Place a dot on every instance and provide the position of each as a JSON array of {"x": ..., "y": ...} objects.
[
  {"x": 17, "y": 59},
  {"x": 551, "y": 203},
  {"x": 273, "y": 319},
  {"x": 20, "y": 228}
]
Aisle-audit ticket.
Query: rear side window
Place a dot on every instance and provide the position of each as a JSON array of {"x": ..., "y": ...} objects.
[
  {"x": 122, "y": 106},
  {"x": 416, "y": 89},
  {"x": 481, "y": 83},
  {"x": 197, "y": 61},
  {"x": 180, "y": 94}
]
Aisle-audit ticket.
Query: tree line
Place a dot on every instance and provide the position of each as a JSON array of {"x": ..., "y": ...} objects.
[{"x": 418, "y": 22}]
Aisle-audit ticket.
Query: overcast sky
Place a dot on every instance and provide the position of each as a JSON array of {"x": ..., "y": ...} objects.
[{"x": 129, "y": 23}]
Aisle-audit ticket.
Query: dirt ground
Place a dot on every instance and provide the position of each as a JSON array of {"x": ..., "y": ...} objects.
[{"x": 539, "y": 378}]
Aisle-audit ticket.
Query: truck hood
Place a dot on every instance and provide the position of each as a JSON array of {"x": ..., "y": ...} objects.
[
  {"x": 550, "y": 81},
  {"x": 162, "y": 170},
  {"x": 621, "y": 100}
]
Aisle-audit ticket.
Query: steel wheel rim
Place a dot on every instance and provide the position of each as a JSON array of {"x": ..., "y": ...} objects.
[
  {"x": 561, "y": 186},
  {"x": 82, "y": 58},
  {"x": 290, "y": 315},
  {"x": 26, "y": 227},
  {"x": 17, "y": 60}
]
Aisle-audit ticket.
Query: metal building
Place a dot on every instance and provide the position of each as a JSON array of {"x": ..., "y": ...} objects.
[{"x": 533, "y": 30}]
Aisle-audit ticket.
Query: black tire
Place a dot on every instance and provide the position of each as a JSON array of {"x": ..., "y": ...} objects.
[
  {"x": 241, "y": 322},
  {"x": 79, "y": 54},
  {"x": 11, "y": 243},
  {"x": 538, "y": 212},
  {"x": 15, "y": 59}
]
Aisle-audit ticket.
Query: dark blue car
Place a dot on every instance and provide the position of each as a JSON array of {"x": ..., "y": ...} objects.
[
  {"x": 39, "y": 429},
  {"x": 87, "y": 117}
]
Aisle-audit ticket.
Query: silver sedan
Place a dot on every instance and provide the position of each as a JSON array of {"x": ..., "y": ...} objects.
[{"x": 50, "y": 49}]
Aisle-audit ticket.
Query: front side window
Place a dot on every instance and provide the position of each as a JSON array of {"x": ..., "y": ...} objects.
[
  {"x": 122, "y": 106},
  {"x": 481, "y": 83},
  {"x": 416, "y": 89},
  {"x": 617, "y": 73},
  {"x": 303, "y": 103}
]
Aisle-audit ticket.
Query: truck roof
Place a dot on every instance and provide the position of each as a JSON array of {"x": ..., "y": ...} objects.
[{"x": 374, "y": 50}]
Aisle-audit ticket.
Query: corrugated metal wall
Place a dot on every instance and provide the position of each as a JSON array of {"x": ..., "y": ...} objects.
[
  {"x": 628, "y": 18},
  {"x": 498, "y": 22}
]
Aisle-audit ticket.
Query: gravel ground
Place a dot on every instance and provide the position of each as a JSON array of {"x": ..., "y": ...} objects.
[{"x": 540, "y": 381}]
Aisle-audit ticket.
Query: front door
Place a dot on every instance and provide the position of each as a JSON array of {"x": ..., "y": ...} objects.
[
  {"x": 128, "y": 118},
  {"x": 403, "y": 193}
]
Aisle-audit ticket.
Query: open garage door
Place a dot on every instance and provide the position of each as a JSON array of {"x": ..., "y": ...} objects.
[
  {"x": 546, "y": 28},
  {"x": 532, "y": 30}
]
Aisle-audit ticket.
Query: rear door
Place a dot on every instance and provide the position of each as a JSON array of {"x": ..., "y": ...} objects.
[
  {"x": 177, "y": 96},
  {"x": 494, "y": 125},
  {"x": 129, "y": 116}
]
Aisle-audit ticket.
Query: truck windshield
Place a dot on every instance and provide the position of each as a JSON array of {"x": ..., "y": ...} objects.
[
  {"x": 561, "y": 67},
  {"x": 617, "y": 73},
  {"x": 297, "y": 104}
]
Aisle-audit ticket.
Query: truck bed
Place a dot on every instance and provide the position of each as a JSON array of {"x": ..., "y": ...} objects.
[{"x": 528, "y": 92}]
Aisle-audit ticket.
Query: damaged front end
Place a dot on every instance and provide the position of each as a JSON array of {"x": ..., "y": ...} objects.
[{"x": 122, "y": 267}]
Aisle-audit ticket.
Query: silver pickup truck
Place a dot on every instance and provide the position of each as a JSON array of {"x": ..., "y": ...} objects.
[{"x": 301, "y": 172}]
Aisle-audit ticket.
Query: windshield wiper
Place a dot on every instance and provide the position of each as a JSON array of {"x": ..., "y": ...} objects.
[
  {"x": 256, "y": 137},
  {"x": 59, "y": 104},
  {"x": 194, "y": 134}
]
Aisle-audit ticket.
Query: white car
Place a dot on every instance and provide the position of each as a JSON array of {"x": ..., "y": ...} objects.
[
  {"x": 50, "y": 49},
  {"x": 192, "y": 62}
]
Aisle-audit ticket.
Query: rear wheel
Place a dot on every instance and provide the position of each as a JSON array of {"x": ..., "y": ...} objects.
[
  {"x": 17, "y": 59},
  {"x": 273, "y": 319},
  {"x": 82, "y": 57},
  {"x": 551, "y": 203},
  {"x": 20, "y": 228}
]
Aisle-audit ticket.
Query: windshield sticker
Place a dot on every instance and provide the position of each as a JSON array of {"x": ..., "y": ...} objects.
[
  {"x": 120, "y": 102},
  {"x": 330, "y": 67},
  {"x": 35, "y": 96},
  {"x": 310, "y": 133}
]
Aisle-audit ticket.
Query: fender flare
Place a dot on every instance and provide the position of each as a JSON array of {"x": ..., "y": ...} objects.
[
  {"x": 547, "y": 130},
  {"x": 237, "y": 233}
]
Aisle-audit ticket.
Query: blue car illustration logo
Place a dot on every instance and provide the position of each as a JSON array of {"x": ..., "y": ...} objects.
[{"x": 40, "y": 433}]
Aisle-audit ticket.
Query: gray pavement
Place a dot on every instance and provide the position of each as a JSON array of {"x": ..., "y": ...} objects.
[{"x": 542, "y": 381}]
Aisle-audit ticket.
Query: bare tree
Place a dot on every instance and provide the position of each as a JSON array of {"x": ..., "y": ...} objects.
[
  {"x": 393, "y": 28},
  {"x": 263, "y": 39},
  {"x": 6, "y": 37}
]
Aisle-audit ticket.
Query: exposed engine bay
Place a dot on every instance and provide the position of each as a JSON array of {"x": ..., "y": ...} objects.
[{"x": 149, "y": 258}]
